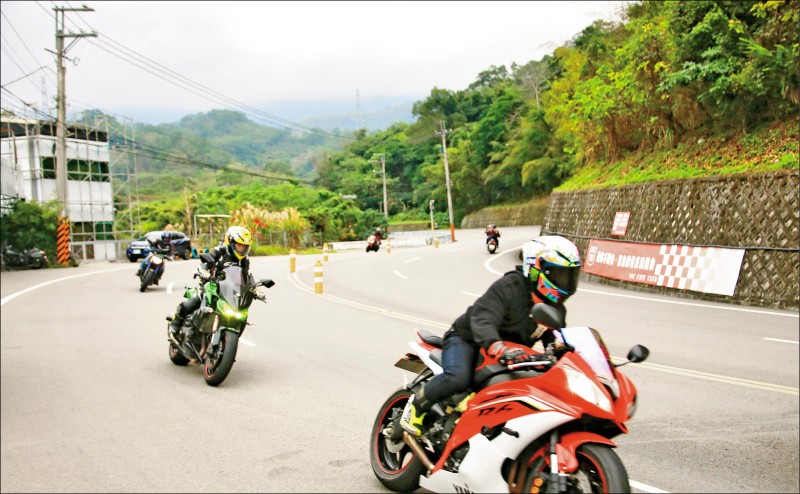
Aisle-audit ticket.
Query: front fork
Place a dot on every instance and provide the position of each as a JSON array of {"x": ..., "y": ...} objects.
[
  {"x": 562, "y": 456},
  {"x": 558, "y": 480}
]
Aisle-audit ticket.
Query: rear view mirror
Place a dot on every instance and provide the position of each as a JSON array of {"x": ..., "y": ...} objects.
[
  {"x": 547, "y": 315},
  {"x": 638, "y": 353}
]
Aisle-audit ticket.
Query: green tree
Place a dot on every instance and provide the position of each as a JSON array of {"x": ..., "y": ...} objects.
[{"x": 31, "y": 224}]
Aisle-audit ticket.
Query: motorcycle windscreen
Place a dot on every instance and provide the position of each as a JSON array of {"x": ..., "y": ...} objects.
[
  {"x": 231, "y": 289},
  {"x": 589, "y": 345}
]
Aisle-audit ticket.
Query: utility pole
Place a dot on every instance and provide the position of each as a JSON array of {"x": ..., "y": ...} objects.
[
  {"x": 61, "y": 119},
  {"x": 444, "y": 133},
  {"x": 433, "y": 233},
  {"x": 62, "y": 231},
  {"x": 382, "y": 161}
]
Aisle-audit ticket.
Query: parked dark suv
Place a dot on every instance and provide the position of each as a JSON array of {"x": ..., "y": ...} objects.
[{"x": 181, "y": 245}]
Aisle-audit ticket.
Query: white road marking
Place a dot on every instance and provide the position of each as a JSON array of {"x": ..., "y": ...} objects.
[
  {"x": 11, "y": 297},
  {"x": 169, "y": 287},
  {"x": 413, "y": 259},
  {"x": 293, "y": 278},
  {"x": 471, "y": 294},
  {"x": 247, "y": 342},
  {"x": 789, "y": 390},
  {"x": 782, "y": 341},
  {"x": 644, "y": 487},
  {"x": 649, "y": 299},
  {"x": 491, "y": 259},
  {"x": 400, "y": 275}
]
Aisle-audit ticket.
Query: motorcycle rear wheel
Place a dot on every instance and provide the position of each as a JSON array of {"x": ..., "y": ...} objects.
[
  {"x": 599, "y": 470},
  {"x": 393, "y": 462},
  {"x": 147, "y": 279},
  {"x": 216, "y": 369}
]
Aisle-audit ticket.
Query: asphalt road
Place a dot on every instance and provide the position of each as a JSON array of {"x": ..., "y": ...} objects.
[{"x": 91, "y": 403}]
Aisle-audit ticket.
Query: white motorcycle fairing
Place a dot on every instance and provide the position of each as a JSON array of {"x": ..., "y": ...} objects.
[{"x": 480, "y": 471}]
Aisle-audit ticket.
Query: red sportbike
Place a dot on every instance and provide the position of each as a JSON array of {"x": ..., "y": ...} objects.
[{"x": 539, "y": 426}]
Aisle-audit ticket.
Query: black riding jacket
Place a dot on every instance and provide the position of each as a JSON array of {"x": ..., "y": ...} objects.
[
  {"x": 223, "y": 258},
  {"x": 502, "y": 313},
  {"x": 162, "y": 247}
]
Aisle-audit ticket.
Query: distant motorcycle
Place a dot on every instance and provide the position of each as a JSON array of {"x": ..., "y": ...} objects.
[
  {"x": 373, "y": 243},
  {"x": 33, "y": 258},
  {"x": 153, "y": 269},
  {"x": 492, "y": 239},
  {"x": 491, "y": 245}
]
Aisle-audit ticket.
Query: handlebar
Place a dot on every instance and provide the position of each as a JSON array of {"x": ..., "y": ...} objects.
[{"x": 535, "y": 363}]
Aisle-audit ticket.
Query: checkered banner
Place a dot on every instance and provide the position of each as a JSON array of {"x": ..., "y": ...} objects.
[{"x": 700, "y": 269}]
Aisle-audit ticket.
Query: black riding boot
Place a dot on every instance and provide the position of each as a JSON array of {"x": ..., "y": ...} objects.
[{"x": 177, "y": 320}]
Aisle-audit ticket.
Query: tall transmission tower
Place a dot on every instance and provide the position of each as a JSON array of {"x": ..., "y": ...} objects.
[{"x": 358, "y": 111}]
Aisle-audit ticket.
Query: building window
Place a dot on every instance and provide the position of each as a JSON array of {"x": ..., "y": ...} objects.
[
  {"x": 93, "y": 171},
  {"x": 49, "y": 168},
  {"x": 86, "y": 231}
]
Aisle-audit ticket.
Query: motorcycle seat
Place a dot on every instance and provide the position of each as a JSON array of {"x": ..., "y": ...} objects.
[{"x": 431, "y": 338}]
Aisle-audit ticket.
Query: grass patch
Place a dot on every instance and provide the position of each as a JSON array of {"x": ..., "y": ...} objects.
[
  {"x": 767, "y": 148},
  {"x": 279, "y": 250}
]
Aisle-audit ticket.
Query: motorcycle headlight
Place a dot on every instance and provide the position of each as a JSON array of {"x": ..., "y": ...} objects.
[
  {"x": 582, "y": 386},
  {"x": 229, "y": 311}
]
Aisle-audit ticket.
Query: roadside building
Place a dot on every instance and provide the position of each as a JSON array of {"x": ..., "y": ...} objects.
[{"x": 27, "y": 155}]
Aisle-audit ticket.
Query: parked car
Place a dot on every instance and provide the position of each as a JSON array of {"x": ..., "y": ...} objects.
[{"x": 181, "y": 245}]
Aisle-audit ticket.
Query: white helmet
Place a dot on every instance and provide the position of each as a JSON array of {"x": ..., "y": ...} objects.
[{"x": 552, "y": 264}]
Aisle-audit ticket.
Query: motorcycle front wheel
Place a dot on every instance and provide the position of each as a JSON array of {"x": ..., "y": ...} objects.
[
  {"x": 218, "y": 365},
  {"x": 147, "y": 279},
  {"x": 599, "y": 470},
  {"x": 393, "y": 462}
]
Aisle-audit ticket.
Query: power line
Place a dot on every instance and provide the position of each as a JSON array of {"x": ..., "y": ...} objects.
[
  {"x": 153, "y": 152},
  {"x": 127, "y": 54},
  {"x": 160, "y": 154},
  {"x": 142, "y": 62}
]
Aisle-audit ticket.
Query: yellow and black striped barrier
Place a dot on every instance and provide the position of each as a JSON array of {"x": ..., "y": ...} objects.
[{"x": 62, "y": 240}]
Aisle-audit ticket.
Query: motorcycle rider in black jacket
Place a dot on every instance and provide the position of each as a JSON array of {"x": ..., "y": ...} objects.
[
  {"x": 162, "y": 246},
  {"x": 549, "y": 274},
  {"x": 234, "y": 251}
]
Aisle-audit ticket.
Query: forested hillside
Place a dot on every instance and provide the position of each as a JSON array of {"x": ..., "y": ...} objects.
[{"x": 678, "y": 89}]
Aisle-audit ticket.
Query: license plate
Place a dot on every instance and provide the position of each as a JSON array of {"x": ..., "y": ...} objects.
[{"x": 137, "y": 251}]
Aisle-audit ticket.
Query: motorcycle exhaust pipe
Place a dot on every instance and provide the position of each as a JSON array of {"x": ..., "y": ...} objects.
[
  {"x": 172, "y": 339},
  {"x": 418, "y": 450}
]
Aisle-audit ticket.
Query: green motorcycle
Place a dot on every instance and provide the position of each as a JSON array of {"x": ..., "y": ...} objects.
[{"x": 210, "y": 335}]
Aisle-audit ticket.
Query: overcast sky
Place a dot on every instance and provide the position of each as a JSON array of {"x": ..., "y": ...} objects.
[{"x": 262, "y": 53}]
